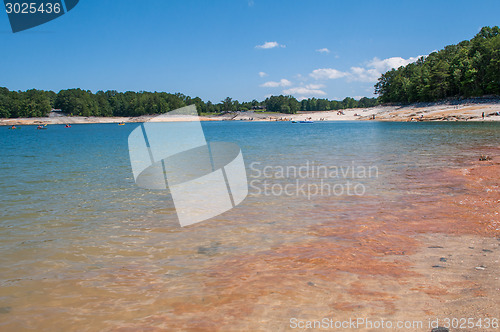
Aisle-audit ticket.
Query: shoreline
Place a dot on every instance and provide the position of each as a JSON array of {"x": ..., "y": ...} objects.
[{"x": 421, "y": 112}]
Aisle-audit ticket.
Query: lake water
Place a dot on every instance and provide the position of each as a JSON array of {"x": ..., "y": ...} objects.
[{"x": 83, "y": 248}]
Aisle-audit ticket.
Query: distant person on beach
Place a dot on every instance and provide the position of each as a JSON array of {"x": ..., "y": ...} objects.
[{"x": 483, "y": 115}]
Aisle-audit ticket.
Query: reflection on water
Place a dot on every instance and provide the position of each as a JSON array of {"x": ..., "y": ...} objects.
[{"x": 81, "y": 245}]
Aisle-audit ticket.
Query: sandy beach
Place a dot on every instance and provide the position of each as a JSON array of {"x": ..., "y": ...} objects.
[
  {"x": 57, "y": 119},
  {"x": 467, "y": 110}
]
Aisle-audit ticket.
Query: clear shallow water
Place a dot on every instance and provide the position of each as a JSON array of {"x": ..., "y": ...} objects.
[{"x": 81, "y": 244}]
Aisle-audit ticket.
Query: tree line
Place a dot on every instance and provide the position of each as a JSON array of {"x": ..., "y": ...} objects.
[
  {"x": 290, "y": 105},
  {"x": 470, "y": 68},
  {"x": 30, "y": 103},
  {"x": 78, "y": 102}
]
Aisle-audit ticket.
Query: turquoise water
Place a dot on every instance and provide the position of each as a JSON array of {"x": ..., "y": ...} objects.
[
  {"x": 80, "y": 242},
  {"x": 80, "y": 174}
]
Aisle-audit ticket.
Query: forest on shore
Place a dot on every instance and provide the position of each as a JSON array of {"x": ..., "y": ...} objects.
[
  {"x": 78, "y": 102},
  {"x": 470, "y": 68}
]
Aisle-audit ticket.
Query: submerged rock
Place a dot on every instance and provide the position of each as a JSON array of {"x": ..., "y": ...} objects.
[
  {"x": 440, "y": 329},
  {"x": 5, "y": 310},
  {"x": 484, "y": 158},
  {"x": 211, "y": 250}
]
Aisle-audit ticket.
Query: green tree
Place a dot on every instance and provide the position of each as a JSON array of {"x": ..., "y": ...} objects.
[
  {"x": 228, "y": 105},
  {"x": 469, "y": 68}
]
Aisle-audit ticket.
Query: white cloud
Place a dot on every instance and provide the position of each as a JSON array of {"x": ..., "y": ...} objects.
[
  {"x": 283, "y": 83},
  {"x": 387, "y": 64},
  {"x": 268, "y": 45},
  {"x": 368, "y": 73},
  {"x": 315, "y": 86},
  {"x": 377, "y": 67},
  {"x": 364, "y": 75},
  {"x": 304, "y": 91},
  {"x": 262, "y": 74},
  {"x": 323, "y": 50},
  {"x": 327, "y": 73}
]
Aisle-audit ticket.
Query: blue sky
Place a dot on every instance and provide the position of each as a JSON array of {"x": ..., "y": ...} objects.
[{"x": 245, "y": 49}]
